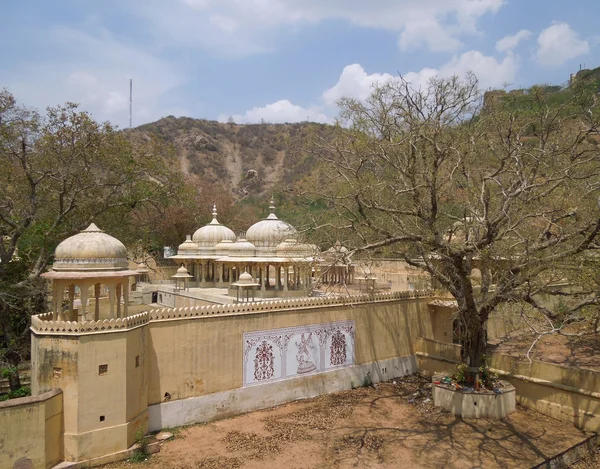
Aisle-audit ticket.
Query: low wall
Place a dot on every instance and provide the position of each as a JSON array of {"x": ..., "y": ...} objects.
[
  {"x": 226, "y": 404},
  {"x": 567, "y": 394},
  {"x": 36, "y": 419}
]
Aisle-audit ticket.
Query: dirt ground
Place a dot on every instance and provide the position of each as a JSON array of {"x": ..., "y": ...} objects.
[
  {"x": 580, "y": 352},
  {"x": 391, "y": 425}
]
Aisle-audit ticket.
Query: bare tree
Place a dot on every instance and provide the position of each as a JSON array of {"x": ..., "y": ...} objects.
[{"x": 504, "y": 187}]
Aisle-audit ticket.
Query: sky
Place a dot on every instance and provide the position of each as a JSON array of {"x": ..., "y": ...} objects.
[{"x": 278, "y": 60}]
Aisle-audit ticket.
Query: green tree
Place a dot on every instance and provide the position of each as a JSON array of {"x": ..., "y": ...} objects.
[
  {"x": 60, "y": 172},
  {"x": 448, "y": 185}
]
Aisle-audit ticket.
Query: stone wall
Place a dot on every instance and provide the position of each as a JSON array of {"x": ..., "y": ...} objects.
[
  {"x": 176, "y": 366},
  {"x": 31, "y": 431},
  {"x": 565, "y": 393}
]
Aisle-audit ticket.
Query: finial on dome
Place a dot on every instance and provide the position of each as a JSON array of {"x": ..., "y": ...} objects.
[
  {"x": 93, "y": 229},
  {"x": 214, "y": 213},
  {"x": 272, "y": 206}
]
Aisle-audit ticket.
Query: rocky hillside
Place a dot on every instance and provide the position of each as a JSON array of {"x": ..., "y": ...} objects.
[{"x": 246, "y": 160}]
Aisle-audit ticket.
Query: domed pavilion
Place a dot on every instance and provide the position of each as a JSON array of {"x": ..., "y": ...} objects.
[
  {"x": 269, "y": 252},
  {"x": 87, "y": 261}
]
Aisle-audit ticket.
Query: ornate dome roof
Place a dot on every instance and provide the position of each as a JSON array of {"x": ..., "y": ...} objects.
[
  {"x": 210, "y": 235},
  {"x": 271, "y": 231},
  {"x": 242, "y": 248},
  {"x": 90, "y": 250},
  {"x": 182, "y": 273},
  {"x": 245, "y": 278},
  {"x": 292, "y": 248},
  {"x": 188, "y": 246},
  {"x": 223, "y": 248}
]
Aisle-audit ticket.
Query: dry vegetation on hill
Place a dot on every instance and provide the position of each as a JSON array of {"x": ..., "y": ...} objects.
[{"x": 247, "y": 160}]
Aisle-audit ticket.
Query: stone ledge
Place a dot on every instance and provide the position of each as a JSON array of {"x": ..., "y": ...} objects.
[
  {"x": 476, "y": 405},
  {"x": 30, "y": 399}
]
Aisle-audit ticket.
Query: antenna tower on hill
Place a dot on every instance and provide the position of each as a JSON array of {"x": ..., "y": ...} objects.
[{"x": 130, "y": 101}]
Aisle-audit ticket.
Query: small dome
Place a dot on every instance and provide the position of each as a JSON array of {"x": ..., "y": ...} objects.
[
  {"x": 188, "y": 246},
  {"x": 292, "y": 248},
  {"x": 181, "y": 273},
  {"x": 90, "y": 250},
  {"x": 223, "y": 248},
  {"x": 242, "y": 248},
  {"x": 210, "y": 235},
  {"x": 245, "y": 278},
  {"x": 268, "y": 233}
]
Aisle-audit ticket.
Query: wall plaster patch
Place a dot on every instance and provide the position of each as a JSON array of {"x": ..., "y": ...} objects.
[{"x": 290, "y": 352}]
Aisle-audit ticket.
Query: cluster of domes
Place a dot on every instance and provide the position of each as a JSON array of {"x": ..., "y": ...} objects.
[{"x": 270, "y": 237}]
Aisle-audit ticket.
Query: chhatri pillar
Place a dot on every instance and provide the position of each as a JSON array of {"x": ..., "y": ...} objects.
[{"x": 84, "y": 263}]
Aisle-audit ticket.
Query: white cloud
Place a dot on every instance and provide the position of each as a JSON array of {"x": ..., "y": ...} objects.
[
  {"x": 277, "y": 112},
  {"x": 207, "y": 24},
  {"x": 491, "y": 72},
  {"x": 354, "y": 82},
  {"x": 510, "y": 42},
  {"x": 429, "y": 32},
  {"x": 100, "y": 85},
  {"x": 559, "y": 43}
]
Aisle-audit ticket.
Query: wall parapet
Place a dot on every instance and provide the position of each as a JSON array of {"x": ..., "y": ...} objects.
[
  {"x": 40, "y": 325},
  {"x": 45, "y": 324}
]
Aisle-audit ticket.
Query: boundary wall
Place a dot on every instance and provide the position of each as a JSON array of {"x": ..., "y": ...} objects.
[
  {"x": 568, "y": 394},
  {"x": 170, "y": 367},
  {"x": 31, "y": 431}
]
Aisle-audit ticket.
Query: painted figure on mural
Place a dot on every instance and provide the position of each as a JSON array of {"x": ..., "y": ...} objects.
[
  {"x": 264, "y": 362},
  {"x": 305, "y": 365},
  {"x": 338, "y": 348}
]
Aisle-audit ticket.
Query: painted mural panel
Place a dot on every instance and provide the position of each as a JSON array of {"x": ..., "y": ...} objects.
[{"x": 297, "y": 351}]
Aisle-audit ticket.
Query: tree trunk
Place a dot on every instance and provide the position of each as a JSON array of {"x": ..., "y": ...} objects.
[
  {"x": 14, "y": 380},
  {"x": 473, "y": 341}
]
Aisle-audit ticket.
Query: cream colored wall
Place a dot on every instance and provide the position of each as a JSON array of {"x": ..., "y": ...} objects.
[
  {"x": 119, "y": 395},
  {"x": 188, "y": 357},
  {"x": 193, "y": 357},
  {"x": 35, "y": 419},
  {"x": 442, "y": 318}
]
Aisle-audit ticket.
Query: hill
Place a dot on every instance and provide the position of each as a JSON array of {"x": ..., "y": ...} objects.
[{"x": 245, "y": 160}]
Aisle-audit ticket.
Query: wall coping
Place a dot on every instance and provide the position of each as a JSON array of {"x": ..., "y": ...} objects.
[
  {"x": 44, "y": 324},
  {"x": 20, "y": 401}
]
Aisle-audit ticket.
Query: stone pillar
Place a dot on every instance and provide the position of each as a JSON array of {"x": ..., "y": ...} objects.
[
  {"x": 60, "y": 298},
  {"x": 126, "y": 298},
  {"x": 55, "y": 308},
  {"x": 111, "y": 300},
  {"x": 84, "y": 298},
  {"x": 278, "y": 276},
  {"x": 261, "y": 278},
  {"x": 286, "y": 274}
]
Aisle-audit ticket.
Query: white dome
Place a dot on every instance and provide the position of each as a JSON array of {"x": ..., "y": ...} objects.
[
  {"x": 245, "y": 278},
  {"x": 292, "y": 248},
  {"x": 210, "y": 235},
  {"x": 91, "y": 249},
  {"x": 267, "y": 234},
  {"x": 242, "y": 248},
  {"x": 187, "y": 247},
  {"x": 223, "y": 248},
  {"x": 182, "y": 273}
]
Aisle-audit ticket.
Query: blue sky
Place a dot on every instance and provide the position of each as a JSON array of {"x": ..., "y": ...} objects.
[{"x": 278, "y": 60}]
